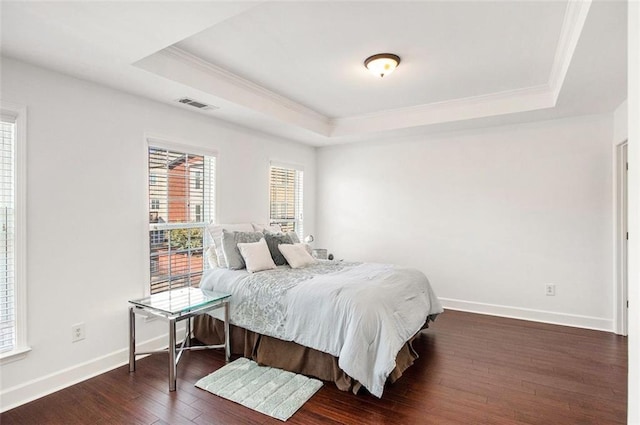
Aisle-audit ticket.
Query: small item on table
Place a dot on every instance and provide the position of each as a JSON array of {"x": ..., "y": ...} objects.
[{"x": 320, "y": 254}]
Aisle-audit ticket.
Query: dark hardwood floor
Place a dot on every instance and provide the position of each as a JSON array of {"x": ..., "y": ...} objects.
[{"x": 473, "y": 369}]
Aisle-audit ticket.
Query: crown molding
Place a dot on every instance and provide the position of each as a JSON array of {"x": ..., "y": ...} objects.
[
  {"x": 242, "y": 83},
  {"x": 511, "y": 101},
  {"x": 183, "y": 67},
  {"x": 575, "y": 16},
  {"x": 506, "y": 102}
]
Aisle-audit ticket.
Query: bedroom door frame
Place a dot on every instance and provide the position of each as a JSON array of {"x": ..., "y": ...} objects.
[{"x": 622, "y": 237}]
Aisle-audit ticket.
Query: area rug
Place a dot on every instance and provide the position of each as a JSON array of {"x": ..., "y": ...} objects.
[{"x": 267, "y": 390}]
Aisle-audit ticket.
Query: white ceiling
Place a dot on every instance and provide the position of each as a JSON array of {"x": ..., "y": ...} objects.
[
  {"x": 313, "y": 53},
  {"x": 294, "y": 69}
]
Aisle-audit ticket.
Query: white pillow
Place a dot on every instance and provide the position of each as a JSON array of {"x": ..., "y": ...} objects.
[
  {"x": 215, "y": 230},
  {"x": 273, "y": 228},
  {"x": 211, "y": 256},
  {"x": 256, "y": 256},
  {"x": 296, "y": 255}
]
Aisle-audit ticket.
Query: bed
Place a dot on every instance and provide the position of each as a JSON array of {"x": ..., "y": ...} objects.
[{"x": 346, "y": 322}]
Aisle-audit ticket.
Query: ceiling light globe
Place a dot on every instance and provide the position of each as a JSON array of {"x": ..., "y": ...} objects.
[{"x": 382, "y": 64}]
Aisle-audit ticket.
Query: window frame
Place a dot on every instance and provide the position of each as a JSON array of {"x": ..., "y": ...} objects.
[
  {"x": 19, "y": 114},
  {"x": 153, "y": 141},
  {"x": 299, "y": 220}
]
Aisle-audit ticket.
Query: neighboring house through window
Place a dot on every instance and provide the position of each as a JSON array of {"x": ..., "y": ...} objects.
[
  {"x": 13, "y": 340},
  {"x": 286, "y": 197},
  {"x": 183, "y": 184}
]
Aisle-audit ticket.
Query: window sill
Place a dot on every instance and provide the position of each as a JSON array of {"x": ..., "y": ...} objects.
[{"x": 14, "y": 355}]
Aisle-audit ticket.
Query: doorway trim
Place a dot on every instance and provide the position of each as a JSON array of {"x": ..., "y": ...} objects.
[{"x": 621, "y": 240}]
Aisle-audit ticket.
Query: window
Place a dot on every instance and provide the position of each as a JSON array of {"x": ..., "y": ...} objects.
[
  {"x": 155, "y": 203},
  {"x": 176, "y": 227},
  {"x": 12, "y": 248},
  {"x": 286, "y": 200}
]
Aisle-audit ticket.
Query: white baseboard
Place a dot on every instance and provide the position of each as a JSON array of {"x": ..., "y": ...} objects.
[
  {"x": 574, "y": 320},
  {"x": 40, "y": 387}
]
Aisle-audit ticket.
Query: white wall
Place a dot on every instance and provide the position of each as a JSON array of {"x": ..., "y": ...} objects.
[
  {"x": 490, "y": 216},
  {"x": 87, "y": 212},
  {"x": 620, "y": 123}
]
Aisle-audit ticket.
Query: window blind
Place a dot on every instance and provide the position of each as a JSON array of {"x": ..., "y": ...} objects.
[
  {"x": 286, "y": 198},
  {"x": 7, "y": 235},
  {"x": 181, "y": 203}
]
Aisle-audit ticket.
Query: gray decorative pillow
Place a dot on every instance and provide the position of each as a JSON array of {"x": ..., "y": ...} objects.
[
  {"x": 273, "y": 240},
  {"x": 230, "y": 242},
  {"x": 294, "y": 237}
]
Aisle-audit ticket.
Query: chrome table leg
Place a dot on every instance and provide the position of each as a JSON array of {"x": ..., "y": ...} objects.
[
  {"x": 227, "y": 335},
  {"x": 132, "y": 340},
  {"x": 172, "y": 355}
]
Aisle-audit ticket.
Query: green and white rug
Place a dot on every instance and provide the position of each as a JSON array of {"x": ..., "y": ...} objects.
[{"x": 267, "y": 390}]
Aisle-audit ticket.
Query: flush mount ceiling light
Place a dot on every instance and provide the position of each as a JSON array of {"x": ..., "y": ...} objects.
[{"x": 382, "y": 64}]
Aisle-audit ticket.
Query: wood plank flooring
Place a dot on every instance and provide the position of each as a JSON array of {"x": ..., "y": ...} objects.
[{"x": 472, "y": 369}]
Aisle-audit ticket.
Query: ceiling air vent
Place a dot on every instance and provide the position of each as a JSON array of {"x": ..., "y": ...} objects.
[{"x": 195, "y": 103}]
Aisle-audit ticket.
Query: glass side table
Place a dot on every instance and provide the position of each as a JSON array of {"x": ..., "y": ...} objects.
[{"x": 174, "y": 306}]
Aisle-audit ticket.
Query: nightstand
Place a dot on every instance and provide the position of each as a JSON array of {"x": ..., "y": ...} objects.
[{"x": 174, "y": 306}]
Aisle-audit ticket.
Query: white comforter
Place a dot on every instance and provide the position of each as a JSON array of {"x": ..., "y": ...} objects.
[{"x": 362, "y": 313}]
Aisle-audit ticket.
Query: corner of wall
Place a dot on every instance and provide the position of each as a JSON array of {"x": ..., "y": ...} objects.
[{"x": 620, "y": 123}]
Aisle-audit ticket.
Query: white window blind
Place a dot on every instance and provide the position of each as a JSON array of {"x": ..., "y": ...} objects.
[
  {"x": 181, "y": 203},
  {"x": 7, "y": 236},
  {"x": 286, "y": 198}
]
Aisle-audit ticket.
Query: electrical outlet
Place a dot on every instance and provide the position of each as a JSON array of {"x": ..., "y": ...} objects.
[
  {"x": 550, "y": 289},
  {"x": 77, "y": 332}
]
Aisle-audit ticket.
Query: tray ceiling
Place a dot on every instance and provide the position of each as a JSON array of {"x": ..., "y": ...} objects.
[{"x": 294, "y": 69}]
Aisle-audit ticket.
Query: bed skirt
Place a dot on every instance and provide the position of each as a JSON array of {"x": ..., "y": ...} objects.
[{"x": 287, "y": 355}]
